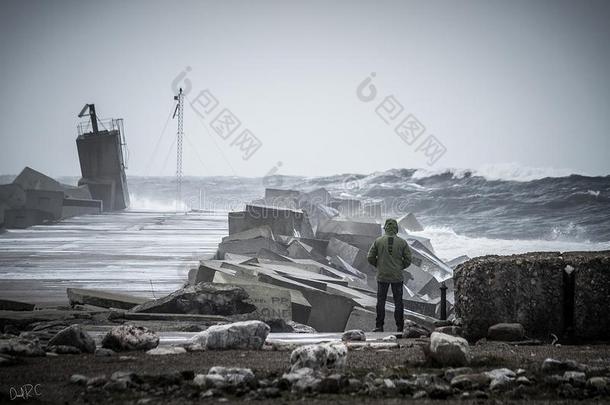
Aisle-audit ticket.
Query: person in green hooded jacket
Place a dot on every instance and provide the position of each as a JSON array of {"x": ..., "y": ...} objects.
[{"x": 390, "y": 254}]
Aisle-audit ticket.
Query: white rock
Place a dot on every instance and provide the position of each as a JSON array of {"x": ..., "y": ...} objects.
[
  {"x": 449, "y": 350},
  {"x": 161, "y": 351},
  {"x": 323, "y": 355},
  {"x": 239, "y": 335}
]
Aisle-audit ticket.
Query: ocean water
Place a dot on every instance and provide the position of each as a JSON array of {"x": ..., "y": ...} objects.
[{"x": 494, "y": 210}]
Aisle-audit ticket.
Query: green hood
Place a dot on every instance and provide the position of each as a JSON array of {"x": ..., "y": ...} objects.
[{"x": 391, "y": 226}]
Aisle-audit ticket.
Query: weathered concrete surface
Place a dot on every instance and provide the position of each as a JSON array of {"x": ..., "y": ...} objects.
[
  {"x": 535, "y": 290},
  {"x": 49, "y": 202},
  {"x": 282, "y": 221},
  {"x": 527, "y": 289},
  {"x": 337, "y": 227},
  {"x": 102, "y": 299},
  {"x": 10, "y": 305},
  {"x": 591, "y": 294}
]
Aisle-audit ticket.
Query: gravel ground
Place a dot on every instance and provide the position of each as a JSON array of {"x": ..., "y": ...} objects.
[{"x": 53, "y": 373}]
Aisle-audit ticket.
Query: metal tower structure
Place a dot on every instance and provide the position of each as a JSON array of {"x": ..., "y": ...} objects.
[{"x": 179, "y": 111}]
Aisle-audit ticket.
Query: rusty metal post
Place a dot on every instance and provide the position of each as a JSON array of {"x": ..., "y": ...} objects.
[{"x": 443, "y": 301}]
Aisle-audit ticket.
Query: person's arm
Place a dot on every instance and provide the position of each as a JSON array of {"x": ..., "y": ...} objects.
[
  {"x": 372, "y": 256},
  {"x": 406, "y": 256}
]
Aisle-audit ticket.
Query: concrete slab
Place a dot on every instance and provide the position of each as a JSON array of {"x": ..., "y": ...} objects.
[
  {"x": 22, "y": 218},
  {"x": 49, "y": 202},
  {"x": 321, "y": 318},
  {"x": 338, "y": 227},
  {"x": 351, "y": 254},
  {"x": 282, "y": 221},
  {"x": 102, "y": 299},
  {"x": 409, "y": 223},
  {"x": 72, "y": 207},
  {"x": 263, "y": 231}
]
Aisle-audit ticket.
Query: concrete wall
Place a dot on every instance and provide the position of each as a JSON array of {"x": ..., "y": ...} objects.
[{"x": 534, "y": 290}]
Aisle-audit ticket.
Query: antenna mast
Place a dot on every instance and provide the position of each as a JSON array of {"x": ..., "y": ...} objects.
[{"x": 179, "y": 111}]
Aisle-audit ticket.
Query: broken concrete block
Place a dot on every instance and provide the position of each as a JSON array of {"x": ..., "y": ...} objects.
[
  {"x": 202, "y": 298},
  {"x": 353, "y": 335},
  {"x": 373, "y": 209},
  {"x": 75, "y": 336},
  {"x": 299, "y": 250},
  {"x": 72, "y": 207},
  {"x": 410, "y": 223},
  {"x": 449, "y": 350},
  {"x": 250, "y": 247},
  {"x": 527, "y": 289},
  {"x": 319, "y": 356},
  {"x": 21, "y": 218},
  {"x": 417, "y": 278},
  {"x": 300, "y": 307},
  {"x": 282, "y": 221},
  {"x": 433, "y": 288},
  {"x": 591, "y": 292},
  {"x": 10, "y": 305},
  {"x": 267, "y": 254},
  {"x": 506, "y": 332},
  {"x": 30, "y": 179},
  {"x": 420, "y": 306},
  {"x": 49, "y": 202},
  {"x": 270, "y": 302},
  {"x": 351, "y": 254},
  {"x": 320, "y": 317},
  {"x": 102, "y": 299},
  {"x": 334, "y": 227},
  {"x": 263, "y": 231},
  {"x": 344, "y": 266},
  {"x": 279, "y": 193},
  {"x": 77, "y": 193},
  {"x": 361, "y": 318}
]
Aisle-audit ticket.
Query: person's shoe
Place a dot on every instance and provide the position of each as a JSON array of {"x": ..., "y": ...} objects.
[{"x": 378, "y": 330}]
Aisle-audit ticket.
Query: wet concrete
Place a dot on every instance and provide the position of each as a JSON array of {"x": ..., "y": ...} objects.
[{"x": 120, "y": 252}]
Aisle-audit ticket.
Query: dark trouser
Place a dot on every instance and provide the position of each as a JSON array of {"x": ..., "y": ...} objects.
[{"x": 382, "y": 293}]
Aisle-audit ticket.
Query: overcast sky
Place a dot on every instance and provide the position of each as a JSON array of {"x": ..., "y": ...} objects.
[{"x": 493, "y": 81}]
